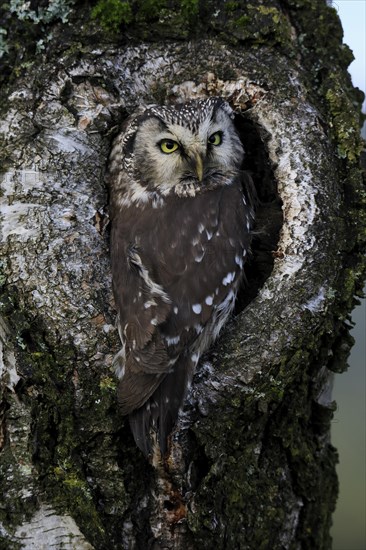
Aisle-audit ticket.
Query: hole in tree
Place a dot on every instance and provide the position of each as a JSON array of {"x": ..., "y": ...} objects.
[
  {"x": 269, "y": 216},
  {"x": 170, "y": 506}
]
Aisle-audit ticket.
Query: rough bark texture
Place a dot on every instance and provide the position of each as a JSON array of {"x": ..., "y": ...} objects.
[{"x": 252, "y": 465}]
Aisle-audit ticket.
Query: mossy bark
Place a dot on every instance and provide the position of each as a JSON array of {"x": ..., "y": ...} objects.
[{"x": 252, "y": 465}]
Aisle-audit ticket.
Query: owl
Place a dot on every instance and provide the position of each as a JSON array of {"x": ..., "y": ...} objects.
[{"x": 181, "y": 219}]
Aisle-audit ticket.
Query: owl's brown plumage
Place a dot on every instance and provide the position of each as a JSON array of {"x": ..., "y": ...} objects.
[{"x": 181, "y": 223}]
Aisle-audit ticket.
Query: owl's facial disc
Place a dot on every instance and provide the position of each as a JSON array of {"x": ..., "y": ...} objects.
[
  {"x": 194, "y": 154},
  {"x": 187, "y": 154}
]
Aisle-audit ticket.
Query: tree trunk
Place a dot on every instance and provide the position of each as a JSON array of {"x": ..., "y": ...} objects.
[{"x": 252, "y": 466}]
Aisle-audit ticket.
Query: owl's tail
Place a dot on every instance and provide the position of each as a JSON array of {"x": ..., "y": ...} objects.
[{"x": 155, "y": 420}]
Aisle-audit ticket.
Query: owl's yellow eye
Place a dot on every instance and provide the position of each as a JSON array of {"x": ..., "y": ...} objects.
[
  {"x": 215, "y": 139},
  {"x": 168, "y": 146}
]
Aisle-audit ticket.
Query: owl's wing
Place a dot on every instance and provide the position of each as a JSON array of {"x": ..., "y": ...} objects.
[{"x": 142, "y": 306}]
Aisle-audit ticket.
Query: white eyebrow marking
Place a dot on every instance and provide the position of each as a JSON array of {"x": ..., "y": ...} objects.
[{"x": 197, "y": 308}]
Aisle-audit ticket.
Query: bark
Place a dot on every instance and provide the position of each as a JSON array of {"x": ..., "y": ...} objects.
[{"x": 252, "y": 465}]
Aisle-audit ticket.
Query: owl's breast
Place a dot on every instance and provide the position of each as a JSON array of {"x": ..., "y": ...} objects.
[{"x": 201, "y": 246}]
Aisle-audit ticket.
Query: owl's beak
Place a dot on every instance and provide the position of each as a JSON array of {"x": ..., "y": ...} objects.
[{"x": 198, "y": 166}]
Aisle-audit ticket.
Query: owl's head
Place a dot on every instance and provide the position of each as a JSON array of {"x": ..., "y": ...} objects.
[{"x": 185, "y": 148}]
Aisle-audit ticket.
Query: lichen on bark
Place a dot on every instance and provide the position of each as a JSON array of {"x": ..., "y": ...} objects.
[{"x": 252, "y": 465}]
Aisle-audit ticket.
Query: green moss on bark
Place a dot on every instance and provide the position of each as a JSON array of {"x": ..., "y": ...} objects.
[
  {"x": 262, "y": 487},
  {"x": 112, "y": 14},
  {"x": 61, "y": 449}
]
